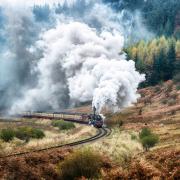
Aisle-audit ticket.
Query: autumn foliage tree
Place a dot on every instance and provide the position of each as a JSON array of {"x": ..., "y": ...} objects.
[{"x": 158, "y": 59}]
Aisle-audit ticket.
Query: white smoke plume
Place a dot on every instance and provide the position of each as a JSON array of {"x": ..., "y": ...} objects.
[
  {"x": 85, "y": 63},
  {"x": 76, "y": 58}
]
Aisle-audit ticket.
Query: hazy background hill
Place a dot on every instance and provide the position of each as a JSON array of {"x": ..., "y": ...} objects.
[
  {"x": 161, "y": 17},
  {"x": 157, "y": 57}
]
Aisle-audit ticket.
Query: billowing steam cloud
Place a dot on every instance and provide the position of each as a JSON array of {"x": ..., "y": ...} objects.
[{"x": 66, "y": 54}]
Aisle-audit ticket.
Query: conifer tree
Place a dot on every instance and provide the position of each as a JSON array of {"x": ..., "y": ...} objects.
[{"x": 171, "y": 59}]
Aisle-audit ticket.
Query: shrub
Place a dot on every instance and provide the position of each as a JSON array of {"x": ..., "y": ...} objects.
[
  {"x": 63, "y": 125},
  {"x": 147, "y": 138},
  {"x": 82, "y": 163},
  {"x": 37, "y": 133},
  {"x": 22, "y": 133},
  {"x": 7, "y": 135},
  {"x": 25, "y": 133},
  {"x": 149, "y": 141},
  {"x": 144, "y": 132}
]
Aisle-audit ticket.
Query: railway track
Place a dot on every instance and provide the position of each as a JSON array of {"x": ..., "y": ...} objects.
[{"x": 101, "y": 133}]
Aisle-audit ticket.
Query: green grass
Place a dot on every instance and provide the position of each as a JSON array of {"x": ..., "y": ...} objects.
[{"x": 63, "y": 125}]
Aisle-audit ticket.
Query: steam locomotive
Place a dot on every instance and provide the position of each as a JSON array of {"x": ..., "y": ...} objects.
[{"x": 93, "y": 119}]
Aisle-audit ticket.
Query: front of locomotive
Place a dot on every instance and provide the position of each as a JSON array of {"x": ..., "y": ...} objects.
[{"x": 95, "y": 119}]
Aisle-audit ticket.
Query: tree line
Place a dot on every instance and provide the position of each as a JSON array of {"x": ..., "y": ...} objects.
[
  {"x": 160, "y": 16},
  {"x": 159, "y": 59}
]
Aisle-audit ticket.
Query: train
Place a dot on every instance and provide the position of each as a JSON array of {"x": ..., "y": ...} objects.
[{"x": 94, "y": 119}]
